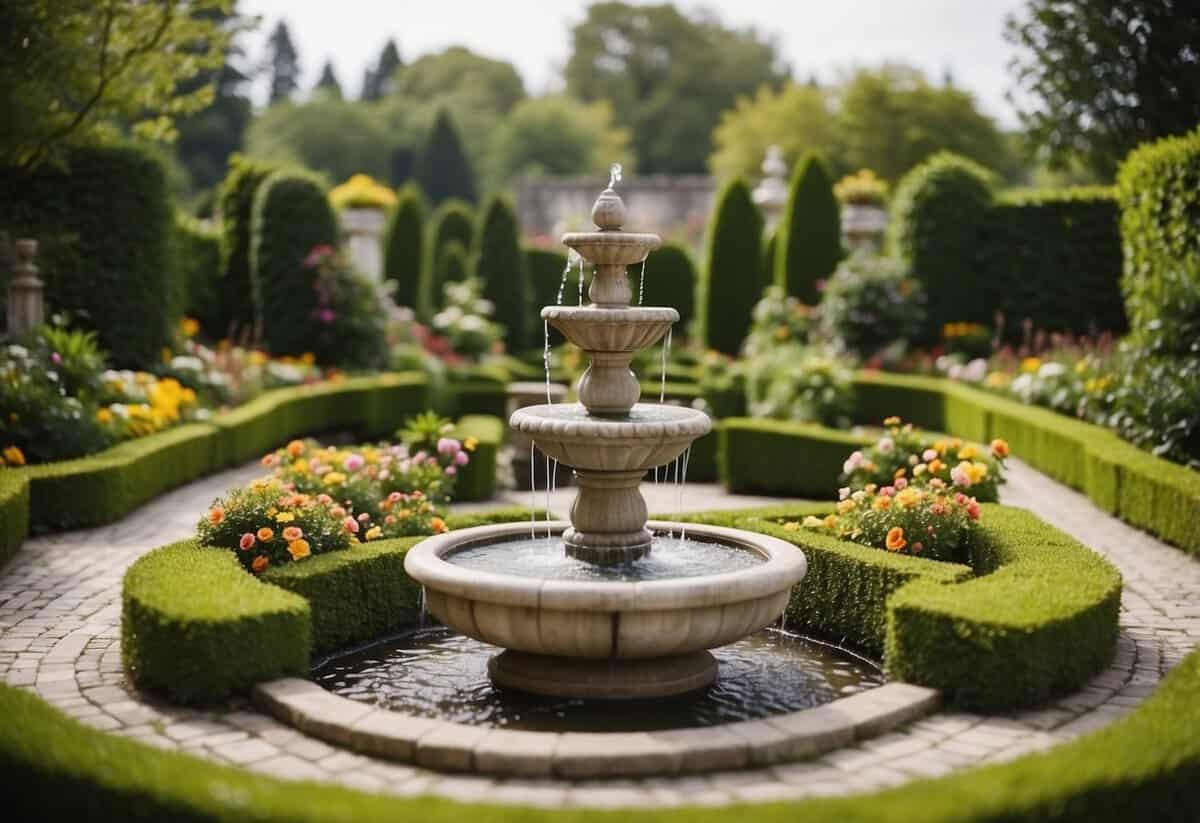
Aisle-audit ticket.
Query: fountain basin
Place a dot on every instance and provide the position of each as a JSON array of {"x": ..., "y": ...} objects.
[
  {"x": 605, "y": 639},
  {"x": 612, "y": 247},
  {"x": 630, "y": 329}
]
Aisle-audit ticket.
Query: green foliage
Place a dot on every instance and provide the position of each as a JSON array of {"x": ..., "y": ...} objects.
[
  {"x": 337, "y": 138},
  {"x": 104, "y": 231},
  {"x": 443, "y": 169},
  {"x": 14, "y": 513},
  {"x": 793, "y": 382},
  {"x": 291, "y": 217},
  {"x": 1097, "y": 78},
  {"x": 810, "y": 239},
  {"x": 240, "y": 292},
  {"x": 545, "y": 268},
  {"x": 500, "y": 264},
  {"x": 938, "y": 217},
  {"x": 729, "y": 285},
  {"x": 871, "y": 304},
  {"x": 196, "y": 627},
  {"x": 477, "y": 479},
  {"x": 670, "y": 281},
  {"x": 75, "y": 72},
  {"x": 761, "y": 456},
  {"x": 283, "y": 64},
  {"x": 779, "y": 319},
  {"x": 404, "y": 245},
  {"x": 379, "y": 79},
  {"x": 432, "y": 75},
  {"x": 327, "y": 84},
  {"x": 620, "y": 53},
  {"x": 453, "y": 220},
  {"x": 451, "y": 266},
  {"x": 197, "y": 261},
  {"x": 465, "y": 322},
  {"x": 556, "y": 134}
]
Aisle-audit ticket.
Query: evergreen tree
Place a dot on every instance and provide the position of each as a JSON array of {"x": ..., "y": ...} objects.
[
  {"x": 670, "y": 281},
  {"x": 454, "y": 220},
  {"x": 404, "y": 245},
  {"x": 443, "y": 170},
  {"x": 453, "y": 265},
  {"x": 284, "y": 64},
  {"x": 328, "y": 82},
  {"x": 500, "y": 264},
  {"x": 732, "y": 280},
  {"x": 809, "y": 244},
  {"x": 378, "y": 80}
]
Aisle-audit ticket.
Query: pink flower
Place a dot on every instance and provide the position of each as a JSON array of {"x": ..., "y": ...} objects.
[
  {"x": 324, "y": 499},
  {"x": 901, "y": 482},
  {"x": 448, "y": 446},
  {"x": 395, "y": 497},
  {"x": 354, "y": 462},
  {"x": 337, "y": 511},
  {"x": 929, "y": 454},
  {"x": 461, "y": 459},
  {"x": 247, "y": 542},
  {"x": 451, "y": 471},
  {"x": 350, "y": 525},
  {"x": 959, "y": 478},
  {"x": 887, "y": 491},
  {"x": 56, "y": 359},
  {"x": 973, "y": 509},
  {"x": 852, "y": 462}
]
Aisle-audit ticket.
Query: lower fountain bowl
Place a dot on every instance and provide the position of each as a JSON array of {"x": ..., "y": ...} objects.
[{"x": 605, "y": 638}]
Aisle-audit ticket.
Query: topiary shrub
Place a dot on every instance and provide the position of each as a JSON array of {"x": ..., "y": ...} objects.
[
  {"x": 291, "y": 217},
  {"x": 404, "y": 245},
  {"x": 938, "y": 217},
  {"x": 104, "y": 224},
  {"x": 770, "y": 246},
  {"x": 670, "y": 281},
  {"x": 731, "y": 284},
  {"x": 500, "y": 264},
  {"x": 452, "y": 265},
  {"x": 871, "y": 304},
  {"x": 810, "y": 234},
  {"x": 241, "y": 300},
  {"x": 197, "y": 254},
  {"x": 452, "y": 220},
  {"x": 545, "y": 268},
  {"x": 443, "y": 169}
]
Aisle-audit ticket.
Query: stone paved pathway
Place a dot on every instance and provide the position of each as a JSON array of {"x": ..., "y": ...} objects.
[{"x": 60, "y": 628}]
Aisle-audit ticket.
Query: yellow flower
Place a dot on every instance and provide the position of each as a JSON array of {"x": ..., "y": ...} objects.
[
  {"x": 845, "y": 506},
  {"x": 976, "y": 472},
  {"x": 909, "y": 497},
  {"x": 284, "y": 517},
  {"x": 299, "y": 549},
  {"x": 813, "y": 522},
  {"x": 14, "y": 456},
  {"x": 831, "y": 520},
  {"x": 308, "y": 358},
  {"x": 968, "y": 452},
  {"x": 792, "y": 526},
  {"x": 882, "y": 504},
  {"x": 334, "y": 479},
  {"x": 1031, "y": 364},
  {"x": 891, "y": 421},
  {"x": 374, "y": 533},
  {"x": 190, "y": 326},
  {"x": 470, "y": 443}
]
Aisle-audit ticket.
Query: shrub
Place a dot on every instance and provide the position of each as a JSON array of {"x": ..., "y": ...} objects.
[
  {"x": 770, "y": 250},
  {"x": 104, "y": 225},
  {"x": 778, "y": 319},
  {"x": 545, "y": 267},
  {"x": 348, "y": 323},
  {"x": 938, "y": 216},
  {"x": 443, "y": 169},
  {"x": 452, "y": 266},
  {"x": 871, "y": 306},
  {"x": 403, "y": 245},
  {"x": 670, "y": 281},
  {"x": 241, "y": 296},
  {"x": 465, "y": 322},
  {"x": 453, "y": 220},
  {"x": 730, "y": 284},
  {"x": 500, "y": 264},
  {"x": 197, "y": 260},
  {"x": 810, "y": 231},
  {"x": 793, "y": 382},
  {"x": 291, "y": 217}
]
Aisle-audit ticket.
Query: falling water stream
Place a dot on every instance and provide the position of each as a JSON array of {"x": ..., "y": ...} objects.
[{"x": 642, "y": 284}]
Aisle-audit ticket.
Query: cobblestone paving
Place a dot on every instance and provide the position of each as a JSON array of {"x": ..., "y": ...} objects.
[{"x": 60, "y": 637}]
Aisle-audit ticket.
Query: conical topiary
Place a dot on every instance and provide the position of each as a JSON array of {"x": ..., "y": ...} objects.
[
  {"x": 545, "y": 269},
  {"x": 670, "y": 281},
  {"x": 404, "y": 245},
  {"x": 444, "y": 170},
  {"x": 770, "y": 245},
  {"x": 732, "y": 281},
  {"x": 810, "y": 233},
  {"x": 453, "y": 266},
  {"x": 452, "y": 221},
  {"x": 500, "y": 264}
]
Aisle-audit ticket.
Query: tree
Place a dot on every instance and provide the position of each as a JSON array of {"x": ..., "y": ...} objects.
[
  {"x": 500, "y": 264},
  {"x": 404, "y": 246},
  {"x": 74, "y": 71},
  {"x": 452, "y": 221},
  {"x": 443, "y": 170},
  {"x": 458, "y": 68},
  {"x": 797, "y": 118},
  {"x": 283, "y": 63},
  {"x": 557, "y": 135},
  {"x": 731, "y": 282},
  {"x": 327, "y": 83},
  {"x": 1102, "y": 76},
  {"x": 667, "y": 76},
  {"x": 809, "y": 243},
  {"x": 336, "y": 137},
  {"x": 378, "y": 81}
]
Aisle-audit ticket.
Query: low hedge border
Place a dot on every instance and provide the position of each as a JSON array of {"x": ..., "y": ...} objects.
[
  {"x": 1033, "y": 615},
  {"x": 778, "y": 457}
]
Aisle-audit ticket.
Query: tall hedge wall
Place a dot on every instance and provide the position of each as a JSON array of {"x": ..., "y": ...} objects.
[
  {"x": 545, "y": 268},
  {"x": 809, "y": 243},
  {"x": 500, "y": 264},
  {"x": 197, "y": 258},
  {"x": 670, "y": 281},
  {"x": 241, "y": 297},
  {"x": 291, "y": 215},
  {"x": 404, "y": 245},
  {"x": 1053, "y": 258},
  {"x": 452, "y": 220},
  {"x": 731, "y": 283},
  {"x": 103, "y": 223}
]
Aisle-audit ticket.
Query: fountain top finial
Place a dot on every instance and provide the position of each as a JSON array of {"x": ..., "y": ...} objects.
[{"x": 609, "y": 212}]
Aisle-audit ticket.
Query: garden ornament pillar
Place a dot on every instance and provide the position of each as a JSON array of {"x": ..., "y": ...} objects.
[
  {"x": 25, "y": 308},
  {"x": 770, "y": 195}
]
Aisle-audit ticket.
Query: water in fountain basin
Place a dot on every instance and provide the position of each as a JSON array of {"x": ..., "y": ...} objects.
[{"x": 545, "y": 557}]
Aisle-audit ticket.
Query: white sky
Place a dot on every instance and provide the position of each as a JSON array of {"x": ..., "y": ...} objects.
[{"x": 816, "y": 36}]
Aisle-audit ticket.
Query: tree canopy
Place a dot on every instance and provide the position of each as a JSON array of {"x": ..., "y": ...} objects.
[
  {"x": 379, "y": 79},
  {"x": 283, "y": 63},
  {"x": 557, "y": 135},
  {"x": 327, "y": 83},
  {"x": 668, "y": 76},
  {"x": 336, "y": 137},
  {"x": 1102, "y": 76}
]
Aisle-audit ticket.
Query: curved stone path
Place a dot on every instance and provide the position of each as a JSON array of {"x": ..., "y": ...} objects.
[{"x": 60, "y": 637}]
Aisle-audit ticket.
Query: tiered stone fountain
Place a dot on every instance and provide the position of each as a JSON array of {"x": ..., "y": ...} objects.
[{"x": 601, "y": 607}]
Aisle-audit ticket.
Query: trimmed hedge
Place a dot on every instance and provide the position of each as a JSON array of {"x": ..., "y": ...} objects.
[
  {"x": 291, "y": 216},
  {"x": 1143, "y": 767},
  {"x": 763, "y": 456},
  {"x": 197, "y": 254},
  {"x": 239, "y": 290},
  {"x": 404, "y": 245},
  {"x": 195, "y": 626},
  {"x": 670, "y": 281},
  {"x": 477, "y": 480},
  {"x": 730, "y": 284},
  {"x": 443, "y": 168},
  {"x": 499, "y": 262},
  {"x": 452, "y": 220},
  {"x": 14, "y": 514},
  {"x": 545, "y": 268},
  {"x": 809, "y": 237},
  {"x": 104, "y": 224}
]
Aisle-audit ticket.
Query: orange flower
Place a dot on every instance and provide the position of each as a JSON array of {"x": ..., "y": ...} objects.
[
  {"x": 260, "y": 563},
  {"x": 266, "y": 535},
  {"x": 299, "y": 549},
  {"x": 439, "y": 525},
  {"x": 1000, "y": 449},
  {"x": 292, "y": 533},
  {"x": 895, "y": 539},
  {"x": 216, "y": 515},
  {"x": 936, "y": 466},
  {"x": 295, "y": 448}
]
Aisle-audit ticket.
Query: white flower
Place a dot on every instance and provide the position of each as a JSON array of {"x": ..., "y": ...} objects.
[{"x": 886, "y": 445}]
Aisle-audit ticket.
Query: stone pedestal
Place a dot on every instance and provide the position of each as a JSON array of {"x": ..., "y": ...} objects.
[
  {"x": 25, "y": 307},
  {"x": 364, "y": 240},
  {"x": 608, "y": 518},
  {"x": 863, "y": 227}
]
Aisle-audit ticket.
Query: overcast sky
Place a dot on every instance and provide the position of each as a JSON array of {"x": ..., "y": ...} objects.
[{"x": 819, "y": 37}]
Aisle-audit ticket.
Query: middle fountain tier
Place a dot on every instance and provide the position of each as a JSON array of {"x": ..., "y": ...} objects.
[{"x": 604, "y": 607}]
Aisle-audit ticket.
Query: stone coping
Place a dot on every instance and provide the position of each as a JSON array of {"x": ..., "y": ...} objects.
[
  {"x": 456, "y": 747},
  {"x": 783, "y": 567},
  {"x": 612, "y": 316},
  {"x": 568, "y": 423}
]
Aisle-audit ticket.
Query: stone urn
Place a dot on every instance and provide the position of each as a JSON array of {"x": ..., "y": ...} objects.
[
  {"x": 863, "y": 225},
  {"x": 363, "y": 228}
]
